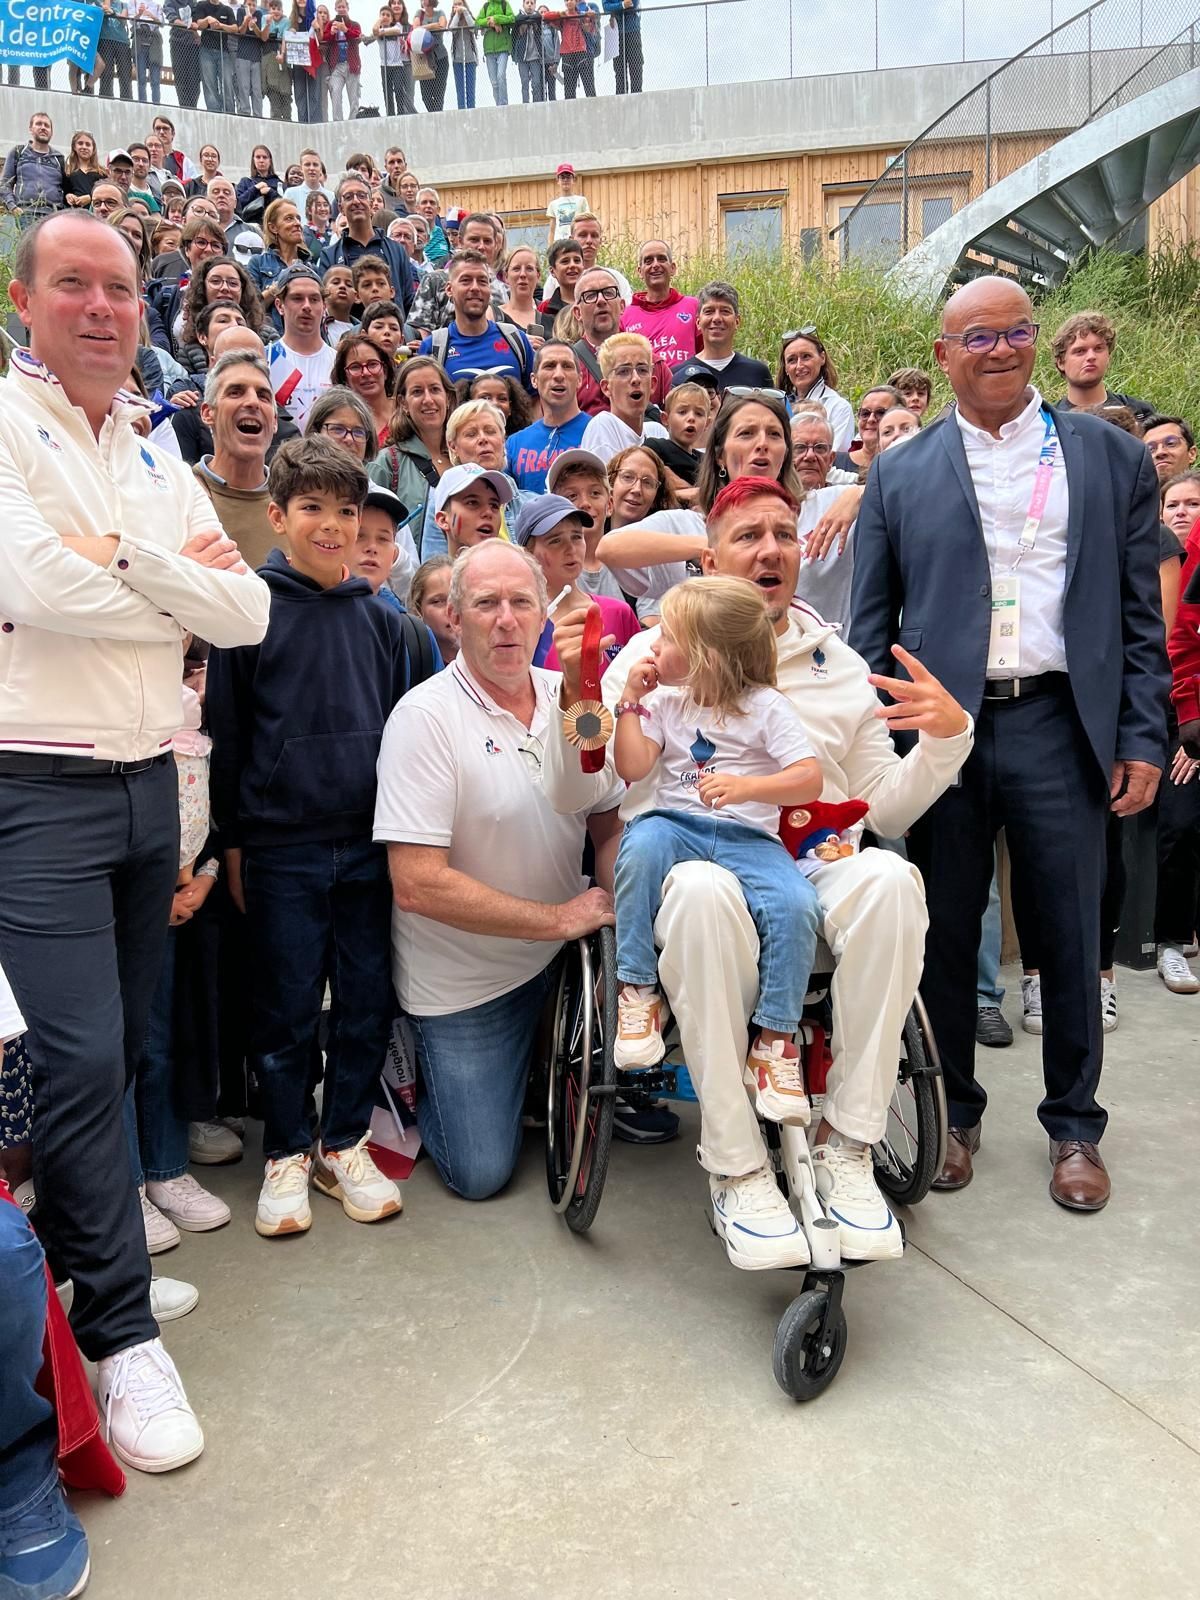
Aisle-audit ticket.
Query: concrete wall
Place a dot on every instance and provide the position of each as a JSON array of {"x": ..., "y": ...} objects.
[{"x": 665, "y": 128}]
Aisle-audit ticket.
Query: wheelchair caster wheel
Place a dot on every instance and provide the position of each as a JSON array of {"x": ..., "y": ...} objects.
[{"x": 809, "y": 1345}]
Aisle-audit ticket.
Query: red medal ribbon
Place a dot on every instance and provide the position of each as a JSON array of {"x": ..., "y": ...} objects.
[{"x": 589, "y": 673}]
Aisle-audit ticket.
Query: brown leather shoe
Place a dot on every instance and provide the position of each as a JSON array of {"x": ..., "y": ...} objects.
[
  {"x": 1080, "y": 1181},
  {"x": 961, "y": 1145}
]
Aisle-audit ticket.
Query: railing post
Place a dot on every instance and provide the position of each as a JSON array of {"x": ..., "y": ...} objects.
[
  {"x": 904, "y": 204},
  {"x": 706, "y": 81},
  {"x": 1089, "y": 61},
  {"x": 876, "y": 35},
  {"x": 988, "y": 136},
  {"x": 791, "y": 68}
]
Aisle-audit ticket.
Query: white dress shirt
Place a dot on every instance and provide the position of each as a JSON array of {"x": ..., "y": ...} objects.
[{"x": 1003, "y": 472}]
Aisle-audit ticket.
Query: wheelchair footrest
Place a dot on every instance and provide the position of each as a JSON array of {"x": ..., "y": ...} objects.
[{"x": 646, "y": 1080}]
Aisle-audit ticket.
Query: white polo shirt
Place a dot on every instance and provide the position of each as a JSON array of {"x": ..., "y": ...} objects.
[{"x": 459, "y": 772}]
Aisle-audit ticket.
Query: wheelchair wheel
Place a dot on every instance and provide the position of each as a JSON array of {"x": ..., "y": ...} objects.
[
  {"x": 582, "y": 1079},
  {"x": 808, "y": 1350},
  {"x": 913, "y": 1147}
]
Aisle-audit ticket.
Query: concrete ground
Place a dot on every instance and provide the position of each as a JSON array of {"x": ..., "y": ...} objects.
[{"x": 470, "y": 1403}]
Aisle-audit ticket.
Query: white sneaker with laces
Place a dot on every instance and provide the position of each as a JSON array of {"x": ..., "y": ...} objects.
[
  {"x": 147, "y": 1419},
  {"x": 756, "y": 1222},
  {"x": 1174, "y": 970},
  {"x": 639, "y": 1028},
  {"x": 283, "y": 1199},
  {"x": 161, "y": 1232},
  {"x": 1109, "y": 1015},
  {"x": 352, "y": 1177},
  {"x": 171, "y": 1298},
  {"x": 778, "y": 1083},
  {"x": 846, "y": 1187},
  {"x": 212, "y": 1144},
  {"x": 187, "y": 1205},
  {"x": 1031, "y": 1003}
]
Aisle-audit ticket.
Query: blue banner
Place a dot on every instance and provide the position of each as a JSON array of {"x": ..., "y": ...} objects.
[{"x": 35, "y": 33}]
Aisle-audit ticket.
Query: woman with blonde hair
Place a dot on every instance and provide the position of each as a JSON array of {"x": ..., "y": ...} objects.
[
  {"x": 475, "y": 436},
  {"x": 720, "y": 750},
  {"x": 522, "y": 273}
]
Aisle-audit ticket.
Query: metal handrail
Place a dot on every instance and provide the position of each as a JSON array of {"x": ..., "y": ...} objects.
[
  {"x": 1186, "y": 33},
  {"x": 899, "y": 174}
]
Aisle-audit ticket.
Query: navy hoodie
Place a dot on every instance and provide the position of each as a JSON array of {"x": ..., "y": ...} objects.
[{"x": 297, "y": 720}]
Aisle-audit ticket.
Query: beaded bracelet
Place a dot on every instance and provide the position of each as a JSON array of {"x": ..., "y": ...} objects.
[{"x": 632, "y": 705}]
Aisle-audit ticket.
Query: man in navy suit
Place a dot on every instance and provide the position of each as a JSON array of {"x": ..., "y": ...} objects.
[{"x": 1013, "y": 550}]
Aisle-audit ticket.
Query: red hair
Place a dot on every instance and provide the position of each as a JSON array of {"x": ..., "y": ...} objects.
[{"x": 742, "y": 490}]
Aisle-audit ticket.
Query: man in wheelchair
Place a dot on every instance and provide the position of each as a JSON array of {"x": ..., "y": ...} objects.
[
  {"x": 873, "y": 902},
  {"x": 486, "y": 874}
]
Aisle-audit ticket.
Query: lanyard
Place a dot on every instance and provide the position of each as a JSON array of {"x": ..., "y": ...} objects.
[{"x": 1041, "y": 492}]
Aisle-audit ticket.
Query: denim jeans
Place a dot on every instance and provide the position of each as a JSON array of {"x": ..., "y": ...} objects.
[
  {"x": 497, "y": 71},
  {"x": 247, "y": 87},
  {"x": 216, "y": 75},
  {"x": 304, "y": 92},
  {"x": 779, "y": 897},
  {"x": 989, "y": 991},
  {"x": 473, "y": 1069},
  {"x": 149, "y": 70},
  {"x": 159, "y": 1147},
  {"x": 464, "y": 84},
  {"x": 312, "y": 910},
  {"x": 533, "y": 80},
  {"x": 28, "y": 1429}
]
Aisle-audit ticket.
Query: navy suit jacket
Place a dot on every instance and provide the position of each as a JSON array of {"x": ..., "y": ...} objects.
[{"x": 922, "y": 579}]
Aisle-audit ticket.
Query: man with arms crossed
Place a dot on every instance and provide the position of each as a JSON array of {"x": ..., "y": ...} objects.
[{"x": 110, "y": 553}]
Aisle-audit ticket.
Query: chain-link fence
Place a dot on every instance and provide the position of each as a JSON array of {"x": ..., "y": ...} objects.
[
  {"x": 1102, "y": 57},
  {"x": 667, "y": 46}
]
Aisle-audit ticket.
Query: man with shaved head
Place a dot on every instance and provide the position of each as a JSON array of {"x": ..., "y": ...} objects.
[
  {"x": 666, "y": 317},
  {"x": 1012, "y": 548}
]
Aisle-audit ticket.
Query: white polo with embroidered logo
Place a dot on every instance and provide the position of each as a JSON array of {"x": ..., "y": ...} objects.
[{"x": 459, "y": 772}]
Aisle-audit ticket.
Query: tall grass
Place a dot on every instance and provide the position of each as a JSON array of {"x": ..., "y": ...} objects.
[{"x": 870, "y": 330}]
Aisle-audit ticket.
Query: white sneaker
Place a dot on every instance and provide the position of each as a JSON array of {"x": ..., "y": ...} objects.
[
  {"x": 187, "y": 1205},
  {"x": 212, "y": 1144},
  {"x": 170, "y": 1298},
  {"x": 352, "y": 1177},
  {"x": 1174, "y": 970},
  {"x": 639, "y": 1028},
  {"x": 1031, "y": 1003},
  {"x": 846, "y": 1187},
  {"x": 147, "y": 1419},
  {"x": 778, "y": 1084},
  {"x": 161, "y": 1232},
  {"x": 25, "y": 1196},
  {"x": 1109, "y": 1016},
  {"x": 756, "y": 1222},
  {"x": 283, "y": 1199}
]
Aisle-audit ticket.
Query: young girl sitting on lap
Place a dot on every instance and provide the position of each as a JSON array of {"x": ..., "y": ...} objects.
[{"x": 728, "y": 750}]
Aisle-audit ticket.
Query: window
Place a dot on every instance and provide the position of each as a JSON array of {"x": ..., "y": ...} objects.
[
  {"x": 530, "y": 228},
  {"x": 874, "y": 233},
  {"x": 934, "y": 212},
  {"x": 753, "y": 224}
]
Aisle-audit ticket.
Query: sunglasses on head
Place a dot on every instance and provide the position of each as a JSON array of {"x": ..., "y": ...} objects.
[
  {"x": 740, "y": 392},
  {"x": 809, "y": 331}
]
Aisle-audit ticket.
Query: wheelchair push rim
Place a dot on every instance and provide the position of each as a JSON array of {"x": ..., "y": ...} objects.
[{"x": 913, "y": 1148}]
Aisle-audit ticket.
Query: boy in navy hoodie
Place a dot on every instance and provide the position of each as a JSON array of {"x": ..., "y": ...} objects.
[{"x": 296, "y": 724}]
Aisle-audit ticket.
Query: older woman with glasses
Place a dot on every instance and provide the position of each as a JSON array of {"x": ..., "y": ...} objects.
[
  {"x": 366, "y": 367},
  {"x": 806, "y": 372},
  {"x": 872, "y": 408}
]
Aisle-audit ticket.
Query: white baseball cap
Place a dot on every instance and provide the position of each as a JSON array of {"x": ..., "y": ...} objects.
[{"x": 456, "y": 479}]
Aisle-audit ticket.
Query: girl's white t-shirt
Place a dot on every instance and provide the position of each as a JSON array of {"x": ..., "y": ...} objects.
[{"x": 761, "y": 739}]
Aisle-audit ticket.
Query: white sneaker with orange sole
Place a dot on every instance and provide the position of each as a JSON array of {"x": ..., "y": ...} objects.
[
  {"x": 639, "y": 1028},
  {"x": 778, "y": 1083},
  {"x": 352, "y": 1177}
]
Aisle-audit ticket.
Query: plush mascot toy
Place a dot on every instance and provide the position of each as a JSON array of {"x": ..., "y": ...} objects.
[{"x": 821, "y": 831}]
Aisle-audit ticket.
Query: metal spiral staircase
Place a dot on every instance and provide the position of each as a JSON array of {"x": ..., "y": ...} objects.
[{"x": 1054, "y": 154}]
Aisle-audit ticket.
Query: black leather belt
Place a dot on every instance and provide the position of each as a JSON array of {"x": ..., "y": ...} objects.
[
  {"x": 25, "y": 764},
  {"x": 996, "y": 689}
]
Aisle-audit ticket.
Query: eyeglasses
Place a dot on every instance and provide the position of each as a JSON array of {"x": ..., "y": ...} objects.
[
  {"x": 799, "y": 449},
  {"x": 356, "y": 369},
  {"x": 740, "y": 393},
  {"x": 609, "y": 292},
  {"x": 531, "y": 749},
  {"x": 1169, "y": 441},
  {"x": 875, "y": 411},
  {"x": 628, "y": 479},
  {"x": 339, "y": 430},
  {"x": 982, "y": 341},
  {"x": 640, "y": 371}
]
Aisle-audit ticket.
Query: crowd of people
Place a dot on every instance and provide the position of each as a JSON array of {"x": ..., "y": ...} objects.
[
  {"x": 261, "y": 61},
  {"x": 325, "y": 515}
]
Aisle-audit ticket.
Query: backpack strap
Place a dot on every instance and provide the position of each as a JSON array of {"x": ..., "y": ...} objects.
[
  {"x": 440, "y": 343},
  {"x": 516, "y": 345},
  {"x": 418, "y": 650},
  {"x": 588, "y": 356}
]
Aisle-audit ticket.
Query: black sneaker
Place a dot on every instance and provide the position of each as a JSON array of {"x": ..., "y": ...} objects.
[{"x": 991, "y": 1028}]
